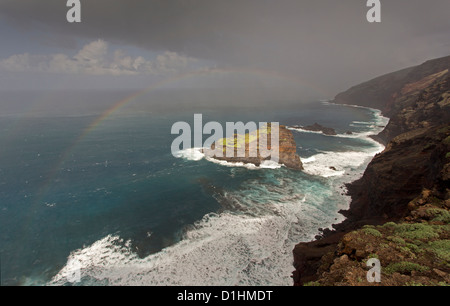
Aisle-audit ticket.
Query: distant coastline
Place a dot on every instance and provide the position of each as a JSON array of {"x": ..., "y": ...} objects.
[{"x": 417, "y": 102}]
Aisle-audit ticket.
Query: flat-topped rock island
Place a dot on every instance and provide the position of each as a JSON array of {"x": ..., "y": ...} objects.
[{"x": 246, "y": 148}]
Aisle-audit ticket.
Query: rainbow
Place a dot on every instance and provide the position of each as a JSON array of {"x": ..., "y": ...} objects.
[
  {"x": 157, "y": 85},
  {"x": 122, "y": 103}
]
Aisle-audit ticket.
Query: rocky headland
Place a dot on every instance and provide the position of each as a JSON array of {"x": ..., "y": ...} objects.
[{"x": 399, "y": 211}]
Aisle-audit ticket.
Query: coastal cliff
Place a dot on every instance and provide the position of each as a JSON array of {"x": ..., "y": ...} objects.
[
  {"x": 400, "y": 207},
  {"x": 250, "y": 144}
]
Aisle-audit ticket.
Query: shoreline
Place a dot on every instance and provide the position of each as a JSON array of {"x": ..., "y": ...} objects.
[
  {"x": 398, "y": 185},
  {"x": 345, "y": 186},
  {"x": 329, "y": 237}
]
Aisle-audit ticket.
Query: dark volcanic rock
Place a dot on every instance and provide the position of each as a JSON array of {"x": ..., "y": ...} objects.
[
  {"x": 319, "y": 128},
  {"x": 416, "y": 158},
  {"x": 411, "y": 161},
  {"x": 286, "y": 147},
  {"x": 380, "y": 92},
  {"x": 420, "y": 105}
]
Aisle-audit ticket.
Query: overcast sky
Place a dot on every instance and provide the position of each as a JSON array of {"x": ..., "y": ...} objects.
[{"x": 320, "y": 46}]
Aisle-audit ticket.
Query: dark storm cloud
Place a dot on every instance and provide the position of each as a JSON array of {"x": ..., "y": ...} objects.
[{"x": 328, "y": 42}]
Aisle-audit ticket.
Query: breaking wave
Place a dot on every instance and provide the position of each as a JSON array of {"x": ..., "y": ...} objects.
[
  {"x": 251, "y": 245},
  {"x": 196, "y": 154}
]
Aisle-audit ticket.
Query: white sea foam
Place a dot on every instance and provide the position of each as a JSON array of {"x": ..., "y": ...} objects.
[
  {"x": 221, "y": 249},
  {"x": 308, "y": 160},
  {"x": 299, "y": 129},
  {"x": 196, "y": 154},
  {"x": 326, "y": 102},
  {"x": 331, "y": 164},
  {"x": 327, "y": 164},
  {"x": 270, "y": 164},
  {"x": 249, "y": 248},
  {"x": 231, "y": 164},
  {"x": 362, "y": 122}
]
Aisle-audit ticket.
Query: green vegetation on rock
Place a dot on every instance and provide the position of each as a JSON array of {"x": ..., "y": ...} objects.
[
  {"x": 404, "y": 267},
  {"x": 416, "y": 231},
  {"x": 371, "y": 231},
  {"x": 311, "y": 284},
  {"x": 396, "y": 240},
  {"x": 441, "y": 215},
  {"x": 441, "y": 248}
]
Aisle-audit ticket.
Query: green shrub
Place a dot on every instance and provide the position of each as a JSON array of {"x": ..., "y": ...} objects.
[
  {"x": 311, "y": 284},
  {"x": 372, "y": 231},
  {"x": 417, "y": 231},
  {"x": 406, "y": 251},
  {"x": 397, "y": 240},
  {"x": 384, "y": 246},
  {"x": 414, "y": 248},
  {"x": 414, "y": 284},
  {"x": 390, "y": 225},
  {"x": 404, "y": 267},
  {"x": 441, "y": 215},
  {"x": 441, "y": 248}
]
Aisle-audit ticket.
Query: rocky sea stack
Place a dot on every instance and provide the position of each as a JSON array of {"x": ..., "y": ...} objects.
[
  {"x": 249, "y": 142},
  {"x": 319, "y": 128}
]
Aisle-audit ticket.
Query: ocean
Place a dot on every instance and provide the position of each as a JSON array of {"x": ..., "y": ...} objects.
[{"x": 102, "y": 194}]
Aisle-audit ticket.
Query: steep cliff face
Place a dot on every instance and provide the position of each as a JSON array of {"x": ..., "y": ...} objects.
[
  {"x": 420, "y": 105},
  {"x": 412, "y": 161},
  {"x": 416, "y": 158},
  {"x": 414, "y": 153},
  {"x": 381, "y": 92}
]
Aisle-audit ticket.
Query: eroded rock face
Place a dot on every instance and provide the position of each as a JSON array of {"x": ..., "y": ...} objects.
[
  {"x": 381, "y": 92},
  {"x": 420, "y": 105},
  {"x": 392, "y": 189},
  {"x": 416, "y": 158},
  {"x": 249, "y": 143},
  {"x": 412, "y": 161}
]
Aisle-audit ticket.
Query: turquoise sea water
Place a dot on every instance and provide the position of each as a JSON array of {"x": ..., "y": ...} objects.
[{"x": 114, "y": 202}]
